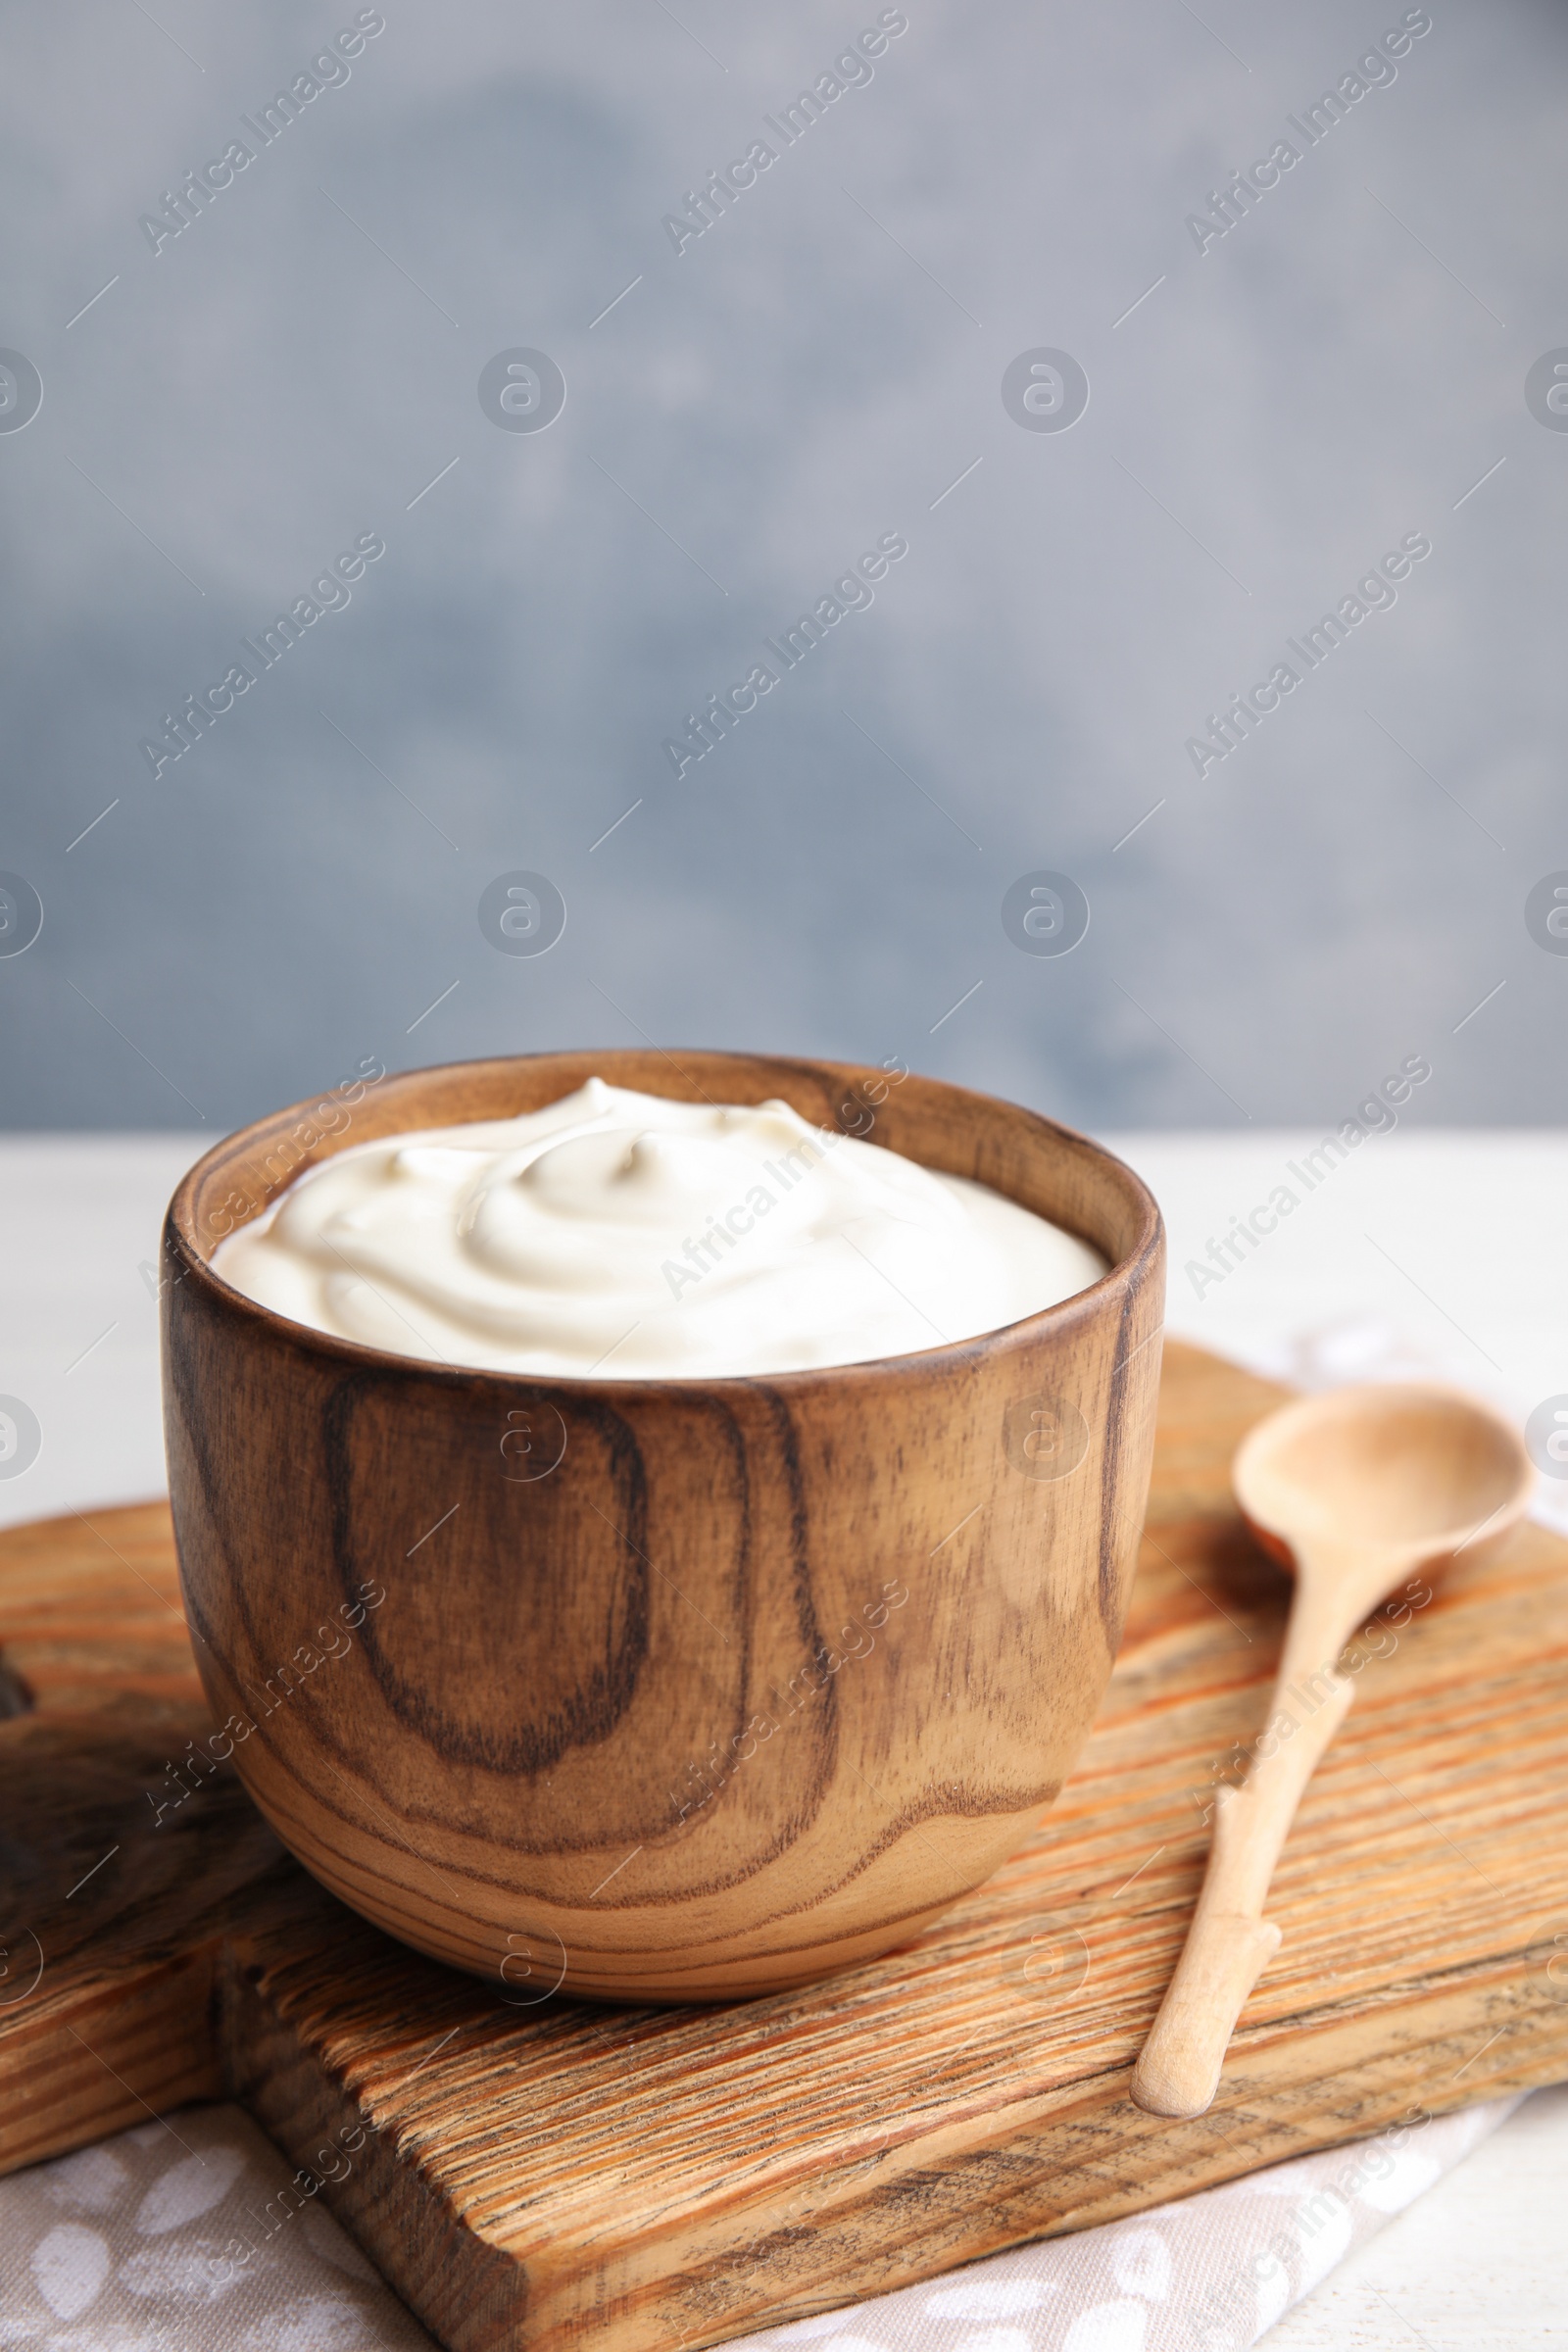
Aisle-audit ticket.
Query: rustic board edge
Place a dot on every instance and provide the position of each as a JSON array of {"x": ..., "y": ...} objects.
[{"x": 1313, "y": 2080}]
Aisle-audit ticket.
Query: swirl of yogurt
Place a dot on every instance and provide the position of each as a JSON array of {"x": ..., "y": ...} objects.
[{"x": 627, "y": 1237}]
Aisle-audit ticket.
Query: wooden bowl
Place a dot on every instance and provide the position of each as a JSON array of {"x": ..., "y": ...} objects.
[{"x": 659, "y": 1689}]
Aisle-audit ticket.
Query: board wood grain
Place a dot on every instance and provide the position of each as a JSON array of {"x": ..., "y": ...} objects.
[{"x": 561, "y": 2175}]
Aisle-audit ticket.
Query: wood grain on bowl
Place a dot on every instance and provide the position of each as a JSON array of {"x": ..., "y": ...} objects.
[{"x": 662, "y": 1689}]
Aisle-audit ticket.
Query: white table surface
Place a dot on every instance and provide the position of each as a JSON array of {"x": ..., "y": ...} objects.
[{"x": 1448, "y": 1251}]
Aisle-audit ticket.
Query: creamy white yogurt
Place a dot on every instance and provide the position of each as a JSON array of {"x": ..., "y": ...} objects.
[{"x": 629, "y": 1237}]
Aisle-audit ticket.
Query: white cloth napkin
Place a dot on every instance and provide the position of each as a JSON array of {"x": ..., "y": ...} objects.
[{"x": 139, "y": 2245}]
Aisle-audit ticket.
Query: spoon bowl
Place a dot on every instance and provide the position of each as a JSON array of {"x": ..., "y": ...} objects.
[{"x": 1418, "y": 1468}]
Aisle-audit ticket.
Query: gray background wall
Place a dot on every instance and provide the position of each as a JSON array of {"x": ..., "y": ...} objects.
[{"x": 296, "y": 367}]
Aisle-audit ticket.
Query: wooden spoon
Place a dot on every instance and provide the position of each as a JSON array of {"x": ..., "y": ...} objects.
[{"x": 1356, "y": 1491}]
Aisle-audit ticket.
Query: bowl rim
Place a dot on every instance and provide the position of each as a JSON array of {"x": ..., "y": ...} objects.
[{"x": 1127, "y": 1274}]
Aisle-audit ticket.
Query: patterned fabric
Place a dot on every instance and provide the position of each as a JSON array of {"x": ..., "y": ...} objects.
[
  {"x": 166, "y": 2240},
  {"x": 161, "y": 2240}
]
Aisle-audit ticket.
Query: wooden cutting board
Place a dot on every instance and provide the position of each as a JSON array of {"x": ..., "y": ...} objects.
[{"x": 547, "y": 2173}]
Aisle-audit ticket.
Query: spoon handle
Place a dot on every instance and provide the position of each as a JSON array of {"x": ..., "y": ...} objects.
[{"x": 1230, "y": 1942}]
